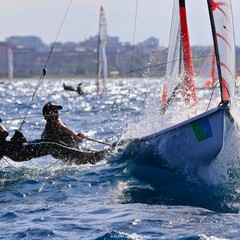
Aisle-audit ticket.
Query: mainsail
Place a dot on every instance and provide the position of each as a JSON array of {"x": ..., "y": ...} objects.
[
  {"x": 102, "y": 57},
  {"x": 222, "y": 26},
  {"x": 179, "y": 70},
  {"x": 10, "y": 63}
]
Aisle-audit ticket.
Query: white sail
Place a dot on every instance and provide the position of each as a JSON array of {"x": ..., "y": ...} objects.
[
  {"x": 223, "y": 22},
  {"x": 174, "y": 67},
  {"x": 102, "y": 57}
]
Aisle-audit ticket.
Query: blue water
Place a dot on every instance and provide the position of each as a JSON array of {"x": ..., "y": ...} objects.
[{"x": 45, "y": 199}]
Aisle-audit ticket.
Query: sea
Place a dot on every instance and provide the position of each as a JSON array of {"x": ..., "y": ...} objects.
[{"x": 44, "y": 198}]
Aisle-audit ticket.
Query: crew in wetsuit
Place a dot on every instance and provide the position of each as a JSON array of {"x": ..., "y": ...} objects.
[
  {"x": 3, "y": 136},
  {"x": 58, "y": 140},
  {"x": 17, "y": 148}
]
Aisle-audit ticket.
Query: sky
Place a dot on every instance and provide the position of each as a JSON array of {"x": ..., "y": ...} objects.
[{"x": 43, "y": 18}]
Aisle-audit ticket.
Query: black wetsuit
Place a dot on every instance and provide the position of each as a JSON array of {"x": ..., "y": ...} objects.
[{"x": 20, "y": 152}]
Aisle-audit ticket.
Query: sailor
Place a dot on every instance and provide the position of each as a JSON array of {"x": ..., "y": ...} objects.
[
  {"x": 3, "y": 135},
  {"x": 17, "y": 148},
  {"x": 55, "y": 130},
  {"x": 79, "y": 89},
  {"x": 68, "y": 88},
  {"x": 57, "y": 140}
]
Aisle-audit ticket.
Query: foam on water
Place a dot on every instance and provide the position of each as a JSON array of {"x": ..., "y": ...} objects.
[{"x": 107, "y": 201}]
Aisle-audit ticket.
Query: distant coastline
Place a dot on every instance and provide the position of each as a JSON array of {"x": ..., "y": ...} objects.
[{"x": 79, "y": 60}]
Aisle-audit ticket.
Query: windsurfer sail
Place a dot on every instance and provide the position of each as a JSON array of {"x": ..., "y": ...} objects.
[
  {"x": 10, "y": 63},
  {"x": 102, "y": 57}
]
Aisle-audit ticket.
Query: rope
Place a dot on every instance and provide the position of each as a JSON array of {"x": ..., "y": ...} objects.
[
  {"x": 164, "y": 63},
  {"x": 62, "y": 114},
  {"x": 214, "y": 87},
  {"x": 44, "y": 71},
  {"x": 94, "y": 140},
  {"x": 133, "y": 49},
  {"x": 43, "y": 169},
  {"x": 8, "y": 162}
]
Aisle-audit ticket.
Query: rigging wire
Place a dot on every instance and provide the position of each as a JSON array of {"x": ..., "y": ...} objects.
[
  {"x": 210, "y": 99},
  {"x": 68, "y": 113},
  {"x": 162, "y": 64},
  {"x": 132, "y": 57},
  {"x": 44, "y": 71},
  {"x": 43, "y": 169}
]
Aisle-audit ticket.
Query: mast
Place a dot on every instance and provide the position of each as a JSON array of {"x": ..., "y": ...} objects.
[
  {"x": 224, "y": 93},
  {"x": 189, "y": 88}
]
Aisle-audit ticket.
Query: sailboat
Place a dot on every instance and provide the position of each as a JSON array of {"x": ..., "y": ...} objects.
[
  {"x": 198, "y": 140},
  {"x": 102, "y": 57}
]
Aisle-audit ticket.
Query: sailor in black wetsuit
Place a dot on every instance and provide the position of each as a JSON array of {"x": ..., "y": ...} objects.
[
  {"x": 3, "y": 136},
  {"x": 58, "y": 141},
  {"x": 17, "y": 148}
]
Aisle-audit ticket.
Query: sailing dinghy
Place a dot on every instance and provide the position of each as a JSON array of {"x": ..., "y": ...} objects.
[
  {"x": 102, "y": 57},
  {"x": 198, "y": 140}
]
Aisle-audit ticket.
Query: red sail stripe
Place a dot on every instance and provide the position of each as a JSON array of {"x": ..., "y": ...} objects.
[
  {"x": 189, "y": 88},
  {"x": 225, "y": 89},
  {"x": 221, "y": 10},
  {"x": 164, "y": 95},
  {"x": 228, "y": 69},
  {"x": 224, "y": 39}
]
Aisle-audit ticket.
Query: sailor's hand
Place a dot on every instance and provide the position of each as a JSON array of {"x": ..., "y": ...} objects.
[{"x": 81, "y": 135}]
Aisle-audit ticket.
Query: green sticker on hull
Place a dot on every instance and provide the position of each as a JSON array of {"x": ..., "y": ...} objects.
[{"x": 202, "y": 129}]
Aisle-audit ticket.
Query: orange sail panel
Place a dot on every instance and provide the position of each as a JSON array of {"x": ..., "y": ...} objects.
[
  {"x": 189, "y": 87},
  {"x": 212, "y": 80}
]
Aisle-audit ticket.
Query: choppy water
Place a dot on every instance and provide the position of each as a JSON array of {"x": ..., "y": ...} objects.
[{"x": 44, "y": 199}]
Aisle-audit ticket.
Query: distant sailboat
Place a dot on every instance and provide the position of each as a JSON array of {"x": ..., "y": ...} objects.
[
  {"x": 207, "y": 75},
  {"x": 213, "y": 71},
  {"x": 102, "y": 57},
  {"x": 10, "y": 63}
]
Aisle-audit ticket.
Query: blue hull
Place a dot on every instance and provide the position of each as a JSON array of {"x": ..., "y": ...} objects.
[{"x": 192, "y": 143}]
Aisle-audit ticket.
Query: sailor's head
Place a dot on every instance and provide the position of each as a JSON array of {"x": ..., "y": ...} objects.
[{"x": 50, "y": 110}]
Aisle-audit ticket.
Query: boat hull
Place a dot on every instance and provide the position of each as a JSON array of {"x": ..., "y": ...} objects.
[{"x": 192, "y": 143}]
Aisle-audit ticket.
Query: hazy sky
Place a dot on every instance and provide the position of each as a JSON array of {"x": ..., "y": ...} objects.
[{"x": 43, "y": 18}]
